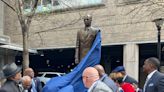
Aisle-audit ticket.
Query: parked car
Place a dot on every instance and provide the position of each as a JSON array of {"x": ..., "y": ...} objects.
[{"x": 46, "y": 76}]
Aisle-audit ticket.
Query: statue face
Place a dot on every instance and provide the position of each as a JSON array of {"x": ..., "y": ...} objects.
[{"x": 87, "y": 20}]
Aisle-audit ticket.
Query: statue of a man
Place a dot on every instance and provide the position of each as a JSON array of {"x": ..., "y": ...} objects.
[{"x": 85, "y": 39}]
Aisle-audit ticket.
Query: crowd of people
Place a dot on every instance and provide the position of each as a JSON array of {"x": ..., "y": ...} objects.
[
  {"x": 94, "y": 78},
  {"x": 15, "y": 82},
  {"x": 118, "y": 81}
]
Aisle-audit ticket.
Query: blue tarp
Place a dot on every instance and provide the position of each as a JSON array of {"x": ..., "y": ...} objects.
[{"x": 72, "y": 82}]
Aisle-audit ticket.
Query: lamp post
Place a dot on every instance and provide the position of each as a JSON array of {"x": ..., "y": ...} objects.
[{"x": 158, "y": 23}]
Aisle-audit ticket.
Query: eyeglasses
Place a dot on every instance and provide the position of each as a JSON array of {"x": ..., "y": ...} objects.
[{"x": 90, "y": 76}]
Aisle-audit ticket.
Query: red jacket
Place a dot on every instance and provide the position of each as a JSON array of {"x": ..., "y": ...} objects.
[{"x": 127, "y": 87}]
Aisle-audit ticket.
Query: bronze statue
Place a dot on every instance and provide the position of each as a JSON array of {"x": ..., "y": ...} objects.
[{"x": 85, "y": 39}]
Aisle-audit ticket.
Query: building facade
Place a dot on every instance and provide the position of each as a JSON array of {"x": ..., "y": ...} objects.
[
  {"x": 8, "y": 50},
  {"x": 122, "y": 22},
  {"x": 3, "y": 39}
]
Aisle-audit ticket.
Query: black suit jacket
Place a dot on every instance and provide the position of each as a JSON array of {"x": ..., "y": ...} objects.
[
  {"x": 11, "y": 86},
  {"x": 130, "y": 80},
  {"x": 155, "y": 83}
]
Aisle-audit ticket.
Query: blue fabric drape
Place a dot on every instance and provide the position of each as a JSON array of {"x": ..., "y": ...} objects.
[{"x": 72, "y": 82}]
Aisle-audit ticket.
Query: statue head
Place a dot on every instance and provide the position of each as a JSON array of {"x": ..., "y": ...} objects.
[{"x": 87, "y": 20}]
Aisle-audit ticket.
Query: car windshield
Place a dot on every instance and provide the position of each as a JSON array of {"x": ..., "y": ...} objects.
[
  {"x": 39, "y": 74},
  {"x": 50, "y": 74}
]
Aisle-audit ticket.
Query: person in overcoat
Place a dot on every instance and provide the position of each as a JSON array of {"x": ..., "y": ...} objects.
[{"x": 13, "y": 76}]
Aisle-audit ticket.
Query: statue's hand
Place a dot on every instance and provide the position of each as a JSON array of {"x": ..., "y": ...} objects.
[{"x": 76, "y": 61}]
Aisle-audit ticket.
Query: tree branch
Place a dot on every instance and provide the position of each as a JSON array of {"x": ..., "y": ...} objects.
[
  {"x": 9, "y": 5},
  {"x": 32, "y": 13},
  {"x": 64, "y": 25}
]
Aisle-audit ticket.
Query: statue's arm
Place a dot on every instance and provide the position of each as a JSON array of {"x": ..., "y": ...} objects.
[
  {"x": 98, "y": 30},
  {"x": 77, "y": 48}
]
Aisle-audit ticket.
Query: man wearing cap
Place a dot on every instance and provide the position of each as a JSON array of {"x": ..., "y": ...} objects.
[
  {"x": 13, "y": 75},
  {"x": 85, "y": 39},
  {"x": 125, "y": 77}
]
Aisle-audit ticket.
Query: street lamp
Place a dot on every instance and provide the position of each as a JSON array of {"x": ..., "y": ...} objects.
[{"x": 158, "y": 23}]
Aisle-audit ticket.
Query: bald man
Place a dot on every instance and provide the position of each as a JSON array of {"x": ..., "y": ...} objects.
[
  {"x": 91, "y": 81},
  {"x": 26, "y": 82},
  {"x": 85, "y": 39},
  {"x": 29, "y": 72},
  {"x": 36, "y": 84},
  {"x": 104, "y": 78}
]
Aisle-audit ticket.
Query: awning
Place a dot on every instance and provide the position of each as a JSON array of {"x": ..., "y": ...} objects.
[
  {"x": 4, "y": 39},
  {"x": 17, "y": 48}
]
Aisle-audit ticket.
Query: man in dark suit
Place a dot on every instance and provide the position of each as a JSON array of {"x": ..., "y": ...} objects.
[
  {"x": 36, "y": 84},
  {"x": 155, "y": 80},
  {"x": 106, "y": 79},
  {"x": 13, "y": 75},
  {"x": 126, "y": 78},
  {"x": 26, "y": 82}
]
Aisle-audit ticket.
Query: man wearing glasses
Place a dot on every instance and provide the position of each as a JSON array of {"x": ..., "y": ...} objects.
[{"x": 91, "y": 81}]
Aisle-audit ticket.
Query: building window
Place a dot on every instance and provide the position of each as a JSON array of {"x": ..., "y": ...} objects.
[
  {"x": 27, "y": 4},
  {"x": 46, "y": 2},
  {"x": 52, "y": 5},
  {"x": 55, "y": 3},
  {"x": 127, "y": 2}
]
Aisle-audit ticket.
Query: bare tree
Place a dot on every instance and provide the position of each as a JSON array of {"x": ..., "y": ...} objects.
[
  {"x": 25, "y": 21},
  {"x": 148, "y": 9}
]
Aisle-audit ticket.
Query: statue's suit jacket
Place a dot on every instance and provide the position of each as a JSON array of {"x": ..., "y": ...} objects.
[
  {"x": 100, "y": 87},
  {"x": 155, "y": 83}
]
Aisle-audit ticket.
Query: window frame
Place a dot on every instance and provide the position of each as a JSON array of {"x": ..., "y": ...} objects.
[{"x": 59, "y": 7}]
